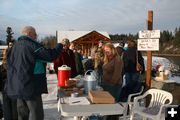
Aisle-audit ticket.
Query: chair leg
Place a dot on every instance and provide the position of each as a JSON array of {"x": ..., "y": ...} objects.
[
  {"x": 144, "y": 118},
  {"x": 84, "y": 118},
  {"x": 125, "y": 112},
  {"x": 131, "y": 116}
]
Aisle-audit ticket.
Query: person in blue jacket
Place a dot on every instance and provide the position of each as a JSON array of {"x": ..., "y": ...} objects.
[{"x": 26, "y": 79}]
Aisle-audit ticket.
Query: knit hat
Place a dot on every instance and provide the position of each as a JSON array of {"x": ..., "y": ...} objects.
[{"x": 65, "y": 41}]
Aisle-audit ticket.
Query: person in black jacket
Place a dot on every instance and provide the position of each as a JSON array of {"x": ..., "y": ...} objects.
[
  {"x": 26, "y": 72},
  {"x": 132, "y": 76},
  {"x": 9, "y": 105}
]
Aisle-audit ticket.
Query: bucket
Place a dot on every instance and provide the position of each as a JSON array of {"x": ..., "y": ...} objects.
[
  {"x": 89, "y": 81},
  {"x": 64, "y": 73}
]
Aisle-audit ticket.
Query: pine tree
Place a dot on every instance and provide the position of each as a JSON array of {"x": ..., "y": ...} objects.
[
  {"x": 177, "y": 37},
  {"x": 9, "y": 38}
]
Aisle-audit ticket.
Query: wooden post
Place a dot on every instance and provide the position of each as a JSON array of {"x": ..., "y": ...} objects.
[
  {"x": 149, "y": 53},
  {"x": 88, "y": 49},
  {"x": 149, "y": 58},
  {"x": 56, "y": 36}
]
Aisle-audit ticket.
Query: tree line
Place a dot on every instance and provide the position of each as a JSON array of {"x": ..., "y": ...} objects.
[
  {"x": 166, "y": 37},
  {"x": 169, "y": 42}
]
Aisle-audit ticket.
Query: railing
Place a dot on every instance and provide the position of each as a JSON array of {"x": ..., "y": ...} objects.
[{"x": 3, "y": 47}]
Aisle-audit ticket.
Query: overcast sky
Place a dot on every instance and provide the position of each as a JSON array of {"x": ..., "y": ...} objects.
[{"x": 112, "y": 16}]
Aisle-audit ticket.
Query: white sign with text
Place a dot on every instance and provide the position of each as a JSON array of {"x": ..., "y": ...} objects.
[
  {"x": 148, "y": 44},
  {"x": 149, "y": 34}
]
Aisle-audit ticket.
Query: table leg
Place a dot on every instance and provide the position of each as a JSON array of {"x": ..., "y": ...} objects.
[
  {"x": 80, "y": 118},
  {"x": 84, "y": 118},
  {"x": 77, "y": 118}
]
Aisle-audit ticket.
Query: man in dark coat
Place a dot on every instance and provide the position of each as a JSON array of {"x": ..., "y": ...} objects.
[{"x": 25, "y": 63}]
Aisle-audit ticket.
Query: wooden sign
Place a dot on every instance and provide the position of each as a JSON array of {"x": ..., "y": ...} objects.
[
  {"x": 149, "y": 34},
  {"x": 148, "y": 44}
]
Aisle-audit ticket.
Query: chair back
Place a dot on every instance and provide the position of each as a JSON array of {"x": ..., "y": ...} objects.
[{"x": 159, "y": 97}]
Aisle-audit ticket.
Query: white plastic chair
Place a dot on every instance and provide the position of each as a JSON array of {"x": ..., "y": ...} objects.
[
  {"x": 159, "y": 99},
  {"x": 129, "y": 103}
]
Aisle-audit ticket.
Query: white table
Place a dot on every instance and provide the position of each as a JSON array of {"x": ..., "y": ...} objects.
[
  {"x": 167, "y": 85},
  {"x": 67, "y": 110},
  {"x": 166, "y": 81}
]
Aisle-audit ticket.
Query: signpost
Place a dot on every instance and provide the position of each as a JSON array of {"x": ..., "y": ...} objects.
[{"x": 149, "y": 41}]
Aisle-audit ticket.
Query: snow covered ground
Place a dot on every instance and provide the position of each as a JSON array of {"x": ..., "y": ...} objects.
[{"x": 167, "y": 65}]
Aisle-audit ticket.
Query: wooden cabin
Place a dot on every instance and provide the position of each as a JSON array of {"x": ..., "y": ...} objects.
[{"x": 86, "y": 39}]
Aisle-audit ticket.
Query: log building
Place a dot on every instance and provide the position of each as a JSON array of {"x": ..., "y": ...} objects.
[{"x": 86, "y": 39}]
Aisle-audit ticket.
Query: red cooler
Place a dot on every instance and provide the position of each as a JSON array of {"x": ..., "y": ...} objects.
[{"x": 64, "y": 73}]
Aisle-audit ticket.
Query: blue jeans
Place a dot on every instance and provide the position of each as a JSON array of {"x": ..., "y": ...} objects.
[
  {"x": 133, "y": 85},
  {"x": 131, "y": 77},
  {"x": 114, "y": 90}
]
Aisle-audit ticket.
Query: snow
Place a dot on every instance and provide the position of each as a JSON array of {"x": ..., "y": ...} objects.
[
  {"x": 167, "y": 66},
  {"x": 158, "y": 61},
  {"x": 175, "y": 78}
]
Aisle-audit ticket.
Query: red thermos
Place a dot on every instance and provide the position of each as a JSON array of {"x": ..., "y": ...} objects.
[{"x": 64, "y": 73}]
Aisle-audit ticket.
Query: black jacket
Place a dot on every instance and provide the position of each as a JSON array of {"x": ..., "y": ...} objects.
[
  {"x": 130, "y": 60},
  {"x": 21, "y": 60},
  {"x": 3, "y": 77}
]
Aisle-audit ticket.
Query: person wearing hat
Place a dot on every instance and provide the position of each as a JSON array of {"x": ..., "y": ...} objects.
[
  {"x": 66, "y": 58},
  {"x": 65, "y": 42}
]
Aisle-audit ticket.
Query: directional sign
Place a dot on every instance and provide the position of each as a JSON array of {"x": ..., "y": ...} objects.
[
  {"x": 148, "y": 44},
  {"x": 149, "y": 34}
]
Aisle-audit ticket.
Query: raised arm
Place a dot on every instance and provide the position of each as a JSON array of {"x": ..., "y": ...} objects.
[{"x": 49, "y": 55}]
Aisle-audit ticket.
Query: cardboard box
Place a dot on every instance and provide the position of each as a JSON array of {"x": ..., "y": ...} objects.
[{"x": 103, "y": 97}]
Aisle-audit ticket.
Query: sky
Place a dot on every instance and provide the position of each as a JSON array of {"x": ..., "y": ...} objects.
[{"x": 112, "y": 16}]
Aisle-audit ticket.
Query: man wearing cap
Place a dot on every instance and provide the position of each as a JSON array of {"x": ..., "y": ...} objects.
[{"x": 66, "y": 58}]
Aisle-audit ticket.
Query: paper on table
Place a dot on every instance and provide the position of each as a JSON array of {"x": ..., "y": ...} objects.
[{"x": 76, "y": 100}]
